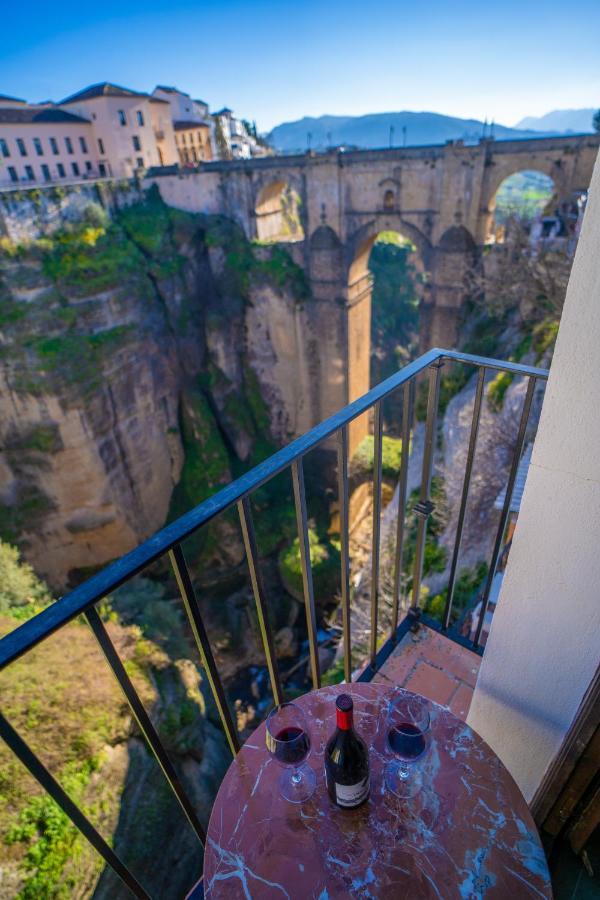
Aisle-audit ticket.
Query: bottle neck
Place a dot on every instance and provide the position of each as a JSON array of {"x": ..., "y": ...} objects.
[{"x": 345, "y": 719}]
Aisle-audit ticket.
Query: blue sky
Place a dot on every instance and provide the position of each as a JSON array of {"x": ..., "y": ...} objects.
[{"x": 277, "y": 61}]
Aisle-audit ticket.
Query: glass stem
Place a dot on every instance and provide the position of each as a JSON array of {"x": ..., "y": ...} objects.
[
  {"x": 296, "y": 776},
  {"x": 403, "y": 771}
]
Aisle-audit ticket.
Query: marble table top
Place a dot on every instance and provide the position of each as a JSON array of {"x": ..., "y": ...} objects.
[{"x": 468, "y": 835}]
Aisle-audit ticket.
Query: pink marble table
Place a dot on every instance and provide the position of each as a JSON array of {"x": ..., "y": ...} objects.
[{"x": 470, "y": 835}]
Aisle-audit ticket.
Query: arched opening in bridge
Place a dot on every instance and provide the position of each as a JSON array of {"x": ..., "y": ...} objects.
[
  {"x": 278, "y": 213},
  {"x": 388, "y": 269},
  {"x": 526, "y": 200}
]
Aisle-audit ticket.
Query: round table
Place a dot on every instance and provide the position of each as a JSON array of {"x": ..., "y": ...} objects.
[{"x": 470, "y": 835}]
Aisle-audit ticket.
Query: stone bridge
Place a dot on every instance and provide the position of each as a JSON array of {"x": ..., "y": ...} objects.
[{"x": 440, "y": 197}]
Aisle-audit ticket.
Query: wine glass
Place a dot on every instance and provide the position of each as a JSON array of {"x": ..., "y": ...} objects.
[
  {"x": 288, "y": 741},
  {"x": 408, "y": 737}
]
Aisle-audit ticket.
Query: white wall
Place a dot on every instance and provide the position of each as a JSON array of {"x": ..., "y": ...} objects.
[
  {"x": 197, "y": 192},
  {"x": 544, "y": 645}
]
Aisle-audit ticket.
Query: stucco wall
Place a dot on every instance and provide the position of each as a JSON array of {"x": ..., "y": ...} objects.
[{"x": 544, "y": 645}]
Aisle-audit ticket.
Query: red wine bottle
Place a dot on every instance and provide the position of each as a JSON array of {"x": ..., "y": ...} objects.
[{"x": 346, "y": 759}]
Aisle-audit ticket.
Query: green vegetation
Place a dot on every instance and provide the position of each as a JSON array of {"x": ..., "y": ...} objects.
[
  {"x": 524, "y": 194},
  {"x": 363, "y": 459},
  {"x": 435, "y": 556},
  {"x": 467, "y": 582},
  {"x": 497, "y": 388},
  {"x": 51, "y": 840},
  {"x": 325, "y": 564},
  {"x": 394, "y": 315},
  {"x": 21, "y": 592}
]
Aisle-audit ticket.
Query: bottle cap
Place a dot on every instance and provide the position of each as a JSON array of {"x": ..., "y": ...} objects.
[{"x": 344, "y": 711}]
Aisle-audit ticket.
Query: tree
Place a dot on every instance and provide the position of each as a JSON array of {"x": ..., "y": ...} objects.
[
  {"x": 518, "y": 277},
  {"x": 596, "y": 120}
]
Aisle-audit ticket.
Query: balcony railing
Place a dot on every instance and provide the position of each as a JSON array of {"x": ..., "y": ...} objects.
[{"x": 83, "y": 599}]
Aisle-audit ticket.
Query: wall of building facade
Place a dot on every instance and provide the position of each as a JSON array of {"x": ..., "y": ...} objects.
[
  {"x": 54, "y": 151},
  {"x": 543, "y": 649}
]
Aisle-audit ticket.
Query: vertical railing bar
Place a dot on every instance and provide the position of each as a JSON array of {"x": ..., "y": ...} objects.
[
  {"x": 424, "y": 498},
  {"x": 41, "y": 774},
  {"x": 465, "y": 494},
  {"x": 249, "y": 535},
  {"x": 376, "y": 528},
  {"x": 407, "y": 412},
  {"x": 506, "y": 508},
  {"x": 142, "y": 718},
  {"x": 307, "y": 581},
  {"x": 192, "y": 608},
  {"x": 342, "y": 451}
]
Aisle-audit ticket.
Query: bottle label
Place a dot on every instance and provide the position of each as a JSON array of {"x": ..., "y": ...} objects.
[{"x": 352, "y": 794}]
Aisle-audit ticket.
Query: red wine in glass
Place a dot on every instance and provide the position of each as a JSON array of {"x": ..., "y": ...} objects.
[
  {"x": 288, "y": 741},
  {"x": 408, "y": 736},
  {"x": 291, "y": 745},
  {"x": 406, "y": 740}
]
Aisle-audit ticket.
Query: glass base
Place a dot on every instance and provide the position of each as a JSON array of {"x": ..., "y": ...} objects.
[
  {"x": 297, "y": 785},
  {"x": 403, "y": 781}
]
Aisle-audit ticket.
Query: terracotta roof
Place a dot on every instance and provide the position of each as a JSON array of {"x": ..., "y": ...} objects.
[
  {"x": 12, "y": 99},
  {"x": 104, "y": 89},
  {"x": 223, "y": 112},
  {"x": 31, "y": 116},
  {"x": 157, "y": 100},
  {"x": 201, "y": 102},
  {"x": 184, "y": 126}
]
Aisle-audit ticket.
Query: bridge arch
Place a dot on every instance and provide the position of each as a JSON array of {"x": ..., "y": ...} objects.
[
  {"x": 524, "y": 193},
  {"x": 277, "y": 208}
]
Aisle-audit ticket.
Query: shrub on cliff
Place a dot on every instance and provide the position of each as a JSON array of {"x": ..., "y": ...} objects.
[
  {"x": 325, "y": 565},
  {"x": 21, "y": 591}
]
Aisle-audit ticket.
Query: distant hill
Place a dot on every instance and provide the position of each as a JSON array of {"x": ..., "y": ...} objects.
[
  {"x": 373, "y": 131},
  {"x": 576, "y": 120}
]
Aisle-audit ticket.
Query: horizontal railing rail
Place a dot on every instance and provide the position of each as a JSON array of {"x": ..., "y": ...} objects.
[{"x": 167, "y": 542}]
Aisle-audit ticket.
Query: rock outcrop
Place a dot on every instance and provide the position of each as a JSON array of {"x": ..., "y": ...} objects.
[{"x": 133, "y": 377}]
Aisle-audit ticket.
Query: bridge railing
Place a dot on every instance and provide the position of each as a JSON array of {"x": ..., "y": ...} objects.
[{"x": 83, "y": 600}]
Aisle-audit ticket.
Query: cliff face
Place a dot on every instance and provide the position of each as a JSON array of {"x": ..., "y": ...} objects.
[{"x": 128, "y": 379}]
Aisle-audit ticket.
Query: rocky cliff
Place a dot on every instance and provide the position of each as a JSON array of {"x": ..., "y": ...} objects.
[{"x": 133, "y": 376}]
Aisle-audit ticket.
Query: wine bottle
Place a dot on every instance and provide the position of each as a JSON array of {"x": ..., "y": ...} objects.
[{"x": 346, "y": 759}]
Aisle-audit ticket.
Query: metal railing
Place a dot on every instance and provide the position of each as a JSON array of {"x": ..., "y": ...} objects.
[{"x": 167, "y": 542}]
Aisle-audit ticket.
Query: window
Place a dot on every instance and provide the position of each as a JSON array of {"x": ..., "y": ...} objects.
[
  {"x": 140, "y": 117},
  {"x": 30, "y": 173},
  {"x": 54, "y": 146},
  {"x": 88, "y": 166},
  {"x": 136, "y": 143},
  {"x": 13, "y": 174},
  {"x": 102, "y": 170},
  {"x": 46, "y": 172},
  {"x": 61, "y": 170},
  {"x": 140, "y": 162},
  {"x": 75, "y": 168},
  {"x": 122, "y": 117},
  {"x": 184, "y": 138},
  {"x": 38, "y": 146},
  {"x": 69, "y": 144},
  {"x": 83, "y": 145},
  {"x": 101, "y": 146},
  {"x": 4, "y": 148},
  {"x": 21, "y": 146}
]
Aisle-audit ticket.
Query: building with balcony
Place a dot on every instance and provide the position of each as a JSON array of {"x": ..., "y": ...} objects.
[
  {"x": 192, "y": 125},
  {"x": 104, "y": 131}
]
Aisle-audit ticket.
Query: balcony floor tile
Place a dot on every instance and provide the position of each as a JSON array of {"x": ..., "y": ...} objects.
[{"x": 434, "y": 666}]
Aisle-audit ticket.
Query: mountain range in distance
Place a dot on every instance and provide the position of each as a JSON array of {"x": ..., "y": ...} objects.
[
  {"x": 399, "y": 129},
  {"x": 560, "y": 120}
]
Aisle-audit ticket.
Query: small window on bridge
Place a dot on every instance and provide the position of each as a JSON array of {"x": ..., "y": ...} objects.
[{"x": 389, "y": 200}]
